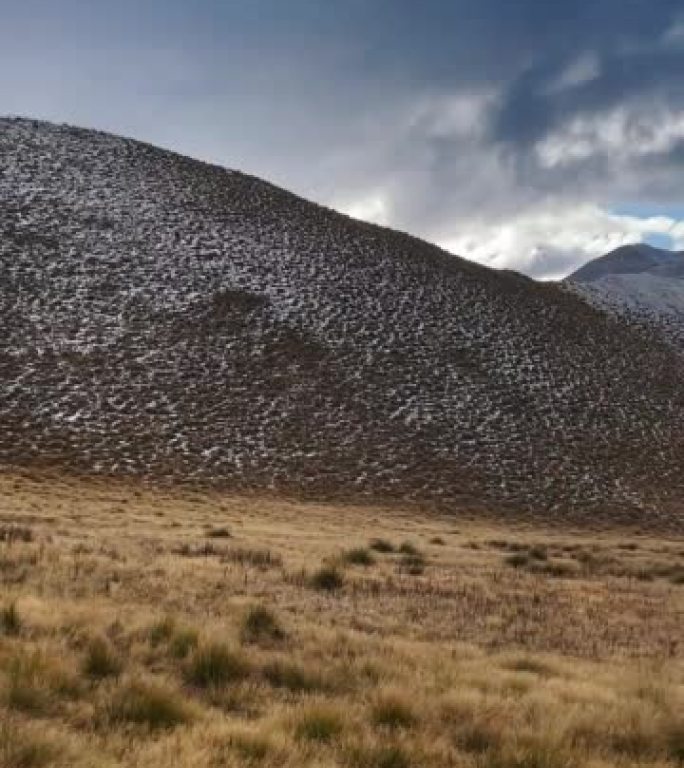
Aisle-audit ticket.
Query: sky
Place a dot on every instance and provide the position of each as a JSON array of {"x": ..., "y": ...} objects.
[{"x": 525, "y": 134}]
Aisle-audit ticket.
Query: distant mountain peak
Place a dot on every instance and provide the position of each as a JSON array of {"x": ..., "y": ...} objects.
[
  {"x": 631, "y": 260},
  {"x": 642, "y": 285}
]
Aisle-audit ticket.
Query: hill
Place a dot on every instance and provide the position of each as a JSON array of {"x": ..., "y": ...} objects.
[
  {"x": 170, "y": 319},
  {"x": 642, "y": 285}
]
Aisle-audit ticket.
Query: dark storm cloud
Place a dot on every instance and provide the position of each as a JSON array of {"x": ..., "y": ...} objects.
[{"x": 532, "y": 106}]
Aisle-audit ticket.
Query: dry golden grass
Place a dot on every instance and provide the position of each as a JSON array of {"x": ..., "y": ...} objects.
[{"x": 146, "y": 627}]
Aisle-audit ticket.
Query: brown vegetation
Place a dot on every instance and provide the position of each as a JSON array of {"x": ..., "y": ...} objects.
[{"x": 127, "y": 640}]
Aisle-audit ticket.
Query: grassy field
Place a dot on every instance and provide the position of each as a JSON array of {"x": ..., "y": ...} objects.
[{"x": 143, "y": 627}]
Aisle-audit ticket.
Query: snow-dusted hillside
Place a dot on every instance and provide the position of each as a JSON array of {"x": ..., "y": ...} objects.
[
  {"x": 642, "y": 285},
  {"x": 168, "y": 318}
]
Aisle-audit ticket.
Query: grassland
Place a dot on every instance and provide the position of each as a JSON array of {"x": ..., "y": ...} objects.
[{"x": 147, "y": 627}]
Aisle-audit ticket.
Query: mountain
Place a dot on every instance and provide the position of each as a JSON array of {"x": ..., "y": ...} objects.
[
  {"x": 642, "y": 285},
  {"x": 170, "y": 319}
]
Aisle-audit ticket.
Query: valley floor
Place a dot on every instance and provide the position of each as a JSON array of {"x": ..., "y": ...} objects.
[{"x": 163, "y": 627}]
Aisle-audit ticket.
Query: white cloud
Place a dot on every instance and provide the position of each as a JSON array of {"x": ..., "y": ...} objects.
[
  {"x": 674, "y": 37},
  {"x": 622, "y": 134},
  {"x": 550, "y": 243},
  {"x": 470, "y": 199},
  {"x": 373, "y": 208},
  {"x": 584, "y": 69},
  {"x": 454, "y": 116}
]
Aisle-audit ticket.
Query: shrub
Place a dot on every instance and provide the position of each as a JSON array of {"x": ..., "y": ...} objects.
[
  {"x": 319, "y": 724},
  {"x": 393, "y": 711},
  {"x": 149, "y": 705},
  {"x": 101, "y": 661},
  {"x": 359, "y": 556},
  {"x": 260, "y": 626},
  {"x": 437, "y": 540},
  {"x": 383, "y": 546},
  {"x": 216, "y": 665},
  {"x": 10, "y": 621},
  {"x": 328, "y": 578}
]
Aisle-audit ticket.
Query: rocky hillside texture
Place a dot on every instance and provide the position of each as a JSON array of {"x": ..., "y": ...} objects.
[
  {"x": 167, "y": 318},
  {"x": 642, "y": 285}
]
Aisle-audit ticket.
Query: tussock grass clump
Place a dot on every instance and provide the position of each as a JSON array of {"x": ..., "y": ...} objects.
[
  {"x": 561, "y": 569},
  {"x": 148, "y": 704},
  {"x": 251, "y": 748},
  {"x": 261, "y": 627},
  {"x": 216, "y": 665},
  {"x": 262, "y": 559},
  {"x": 219, "y": 533},
  {"x": 161, "y": 631},
  {"x": 22, "y": 748},
  {"x": 101, "y": 660},
  {"x": 378, "y": 756},
  {"x": 383, "y": 546},
  {"x": 408, "y": 548},
  {"x": 184, "y": 640},
  {"x": 12, "y": 533},
  {"x": 292, "y": 677},
  {"x": 178, "y": 639},
  {"x": 673, "y": 737},
  {"x": 208, "y": 549},
  {"x": 532, "y": 756},
  {"x": 328, "y": 578},
  {"x": 538, "y": 552},
  {"x": 529, "y": 664},
  {"x": 393, "y": 710},
  {"x": 479, "y": 736},
  {"x": 437, "y": 541},
  {"x": 412, "y": 564},
  {"x": 10, "y": 621},
  {"x": 517, "y": 560},
  {"x": 319, "y": 723},
  {"x": 35, "y": 681},
  {"x": 358, "y": 556}
]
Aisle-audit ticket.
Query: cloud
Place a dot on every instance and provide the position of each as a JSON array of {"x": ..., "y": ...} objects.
[
  {"x": 620, "y": 134},
  {"x": 548, "y": 244},
  {"x": 584, "y": 69}
]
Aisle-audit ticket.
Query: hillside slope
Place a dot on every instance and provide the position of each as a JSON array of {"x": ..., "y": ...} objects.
[
  {"x": 168, "y": 318},
  {"x": 642, "y": 285}
]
